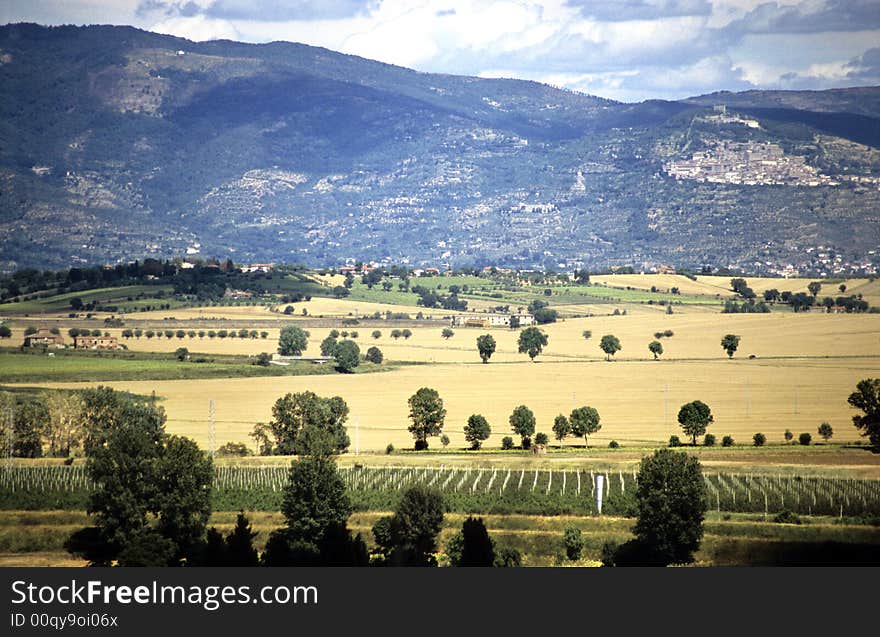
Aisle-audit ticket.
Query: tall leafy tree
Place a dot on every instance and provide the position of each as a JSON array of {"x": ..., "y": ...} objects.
[
  {"x": 476, "y": 430},
  {"x": 866, "y": 397},
  {"x": 561, "y": 427},
  {"x": 486, "y": 347},
  {"x": 584, "y": 421},
  {"x": 427, "y": 415},
  {"x": 656, "y": 348},
  {"x": 152, "y": 493},
  {"x": 297, "y": 412},
  {"x": 694, "y": 417},
  {"x": 477, "y": 548},
  {"x": 522, "y": 421},
  {"x": 532, "y": 341},
  {"x": 730, "y": 343},
  {"x": 671, "y": 498},
  {"x": 409, "y": 537},
  {"x": 347, "y": 355},
  {"x": 610, "y": 344},
  {"x": 292, "y": 341}
]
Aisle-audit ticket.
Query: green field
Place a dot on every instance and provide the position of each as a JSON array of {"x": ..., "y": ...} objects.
[
  {"x": 102, "y": 296},
  {"x": 69, "y": 366}
]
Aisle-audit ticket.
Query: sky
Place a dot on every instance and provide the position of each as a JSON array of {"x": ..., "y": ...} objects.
[{"x": 628, "y": 50}]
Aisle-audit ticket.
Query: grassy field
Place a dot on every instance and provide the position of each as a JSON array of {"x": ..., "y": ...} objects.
[
  {"x": 120, "y": 366},
  {"x": 102, "y": 296},
  {"x": 36, "y": 538}
]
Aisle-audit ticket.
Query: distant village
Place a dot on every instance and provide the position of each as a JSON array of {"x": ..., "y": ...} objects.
[{"x": 750, "y": 164}]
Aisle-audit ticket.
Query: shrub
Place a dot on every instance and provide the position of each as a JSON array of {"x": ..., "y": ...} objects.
[
  {"x": 613, "y": 444},
  {"x": 573, "y": 540},
  {"x": 759, "y": 439},
  {"x": 727, "y": 441},
  {"x": 787, "y": 517},
  {"x": 374, "y": 355},
  {"x": 805, "y": 438},
  {"x": 444, "y": 440},
  {"x": 788, "y": 435},
  {"x": 235, "y": 449},
  {"x": 674, "y": 441},
  {"x": 709, "y": 440},
  {"x": 507, "y": 443},
  {"x": 541, "y": 439},
  {"x": 389, "y": 449}
]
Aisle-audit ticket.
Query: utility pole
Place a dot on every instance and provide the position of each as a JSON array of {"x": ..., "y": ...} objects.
[
  {"x": 212, "y": 428},
  {"x": 357, "y": 435}
]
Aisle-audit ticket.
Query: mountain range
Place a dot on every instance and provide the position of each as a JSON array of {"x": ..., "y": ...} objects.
[{"x": 118, "y": 144}]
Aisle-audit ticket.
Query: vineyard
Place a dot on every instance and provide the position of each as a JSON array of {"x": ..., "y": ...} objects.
[{"x": 474, "y": 490}]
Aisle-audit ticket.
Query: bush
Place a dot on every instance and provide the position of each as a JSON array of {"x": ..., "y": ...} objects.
[
  {"x": 374, "y": 355},
  {"x": 759, "y": 439},
  {"x": 787, "y": 517},
  {"x": 444, "y": 440},
  {"x": 541, "y": 439},
  {"x": 709, "y": 440},
  {"x": 421, "y": 445},
  {"x": 613, "y": 444},
  {"x": 233, "y": 449},
  {"x": 674, "y": 441},
  {"x": 507, "y": 443},
  {"x": 389, "y": 449},
  {"x": 573, "y": 540},
  {"x": 805, "y": 439},
  {"x": 727, "y": 441}
]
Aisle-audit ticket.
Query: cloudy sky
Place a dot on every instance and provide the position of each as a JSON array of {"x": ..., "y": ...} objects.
[{"x": 628, "y": 50}]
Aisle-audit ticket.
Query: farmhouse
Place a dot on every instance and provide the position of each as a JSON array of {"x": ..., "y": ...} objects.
[
  {"x": 491, "y": 320},
  {"x": 44, "y": 338},
  {"x": 95, "y": 342}
]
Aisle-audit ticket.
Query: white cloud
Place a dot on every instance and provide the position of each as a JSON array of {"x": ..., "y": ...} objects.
[{"x": 197, "y": 28}]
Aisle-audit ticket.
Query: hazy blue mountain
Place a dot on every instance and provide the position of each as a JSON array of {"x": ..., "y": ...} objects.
[{"x": 117, "y": 144}]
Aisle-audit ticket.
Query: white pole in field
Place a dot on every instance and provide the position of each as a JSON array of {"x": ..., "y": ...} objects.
[
  {"x": 212, "y": 428},
  {"x": 600, "y": 484}
]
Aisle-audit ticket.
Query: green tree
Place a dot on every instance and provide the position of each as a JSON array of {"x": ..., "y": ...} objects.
[
  {"x": 447, "y": 333},
  {"x": 409, "y": 537},
  {"x": 805, "y": 439},
  {"x": 181, "y": 354},
  {"x": 151, "y": 497},
  {"x": 486, "y": 347},
  {"x": 730, "y": 342},
  {"x": 328, "y": 346},
  {"x": 406, "y": 333},
  {"x": 656, "y": 348},
  {"x": 477, "y": 548},
  {"x": 671, "y": 497},
  {"x": 814, "y": 287},
  {"x": 294, "y": 413},
  {"x": 584, "y": 421},
  {"x": 759, "y": 439},
  {"x": 561, "y": 428},
  {"x": 522, "y": 421},
  {"x": 825, "y": 430},
  {"x": 314, "y": 500},
  {"x": 427, "y": 414},
  {"x": 694, "y": 417},
  {"x": 532, "y": 341},
  {"x": 587, "y": 334},
  {"x": 866, "y": 397},
  {"x": 476, "y": 430},
  {"x": 610, "y": 344},
  {"x": 374, "y": 355},
  {"x": 376, "y": 334},
  {"x": 293, "y": 341},
  {"x": 347, "y": 355}
]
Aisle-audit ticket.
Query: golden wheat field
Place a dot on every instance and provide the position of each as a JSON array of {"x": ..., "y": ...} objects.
[
  {"x": 718, "y": 285},
  {"x": 804, "y": 368}
]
